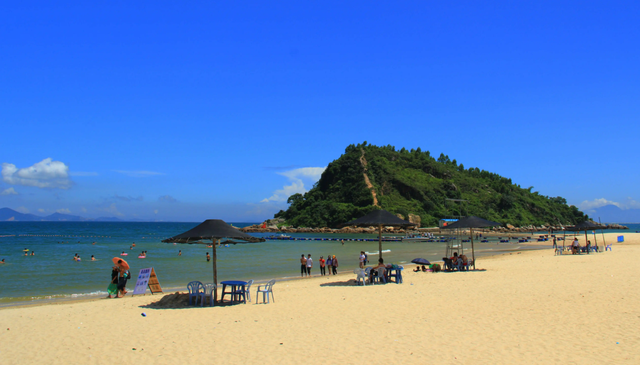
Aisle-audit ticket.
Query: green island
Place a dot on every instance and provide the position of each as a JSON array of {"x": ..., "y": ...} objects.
[{"x": 414, "y": 183}]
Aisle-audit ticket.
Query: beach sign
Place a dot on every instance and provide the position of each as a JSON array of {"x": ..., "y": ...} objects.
[{"x": 147, "y": 278}]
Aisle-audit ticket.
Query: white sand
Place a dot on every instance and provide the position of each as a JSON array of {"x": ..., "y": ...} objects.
[{"x": 522, "y": 308}]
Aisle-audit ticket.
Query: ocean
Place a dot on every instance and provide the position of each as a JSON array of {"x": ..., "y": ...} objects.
[{"x": 51, "y": 273}]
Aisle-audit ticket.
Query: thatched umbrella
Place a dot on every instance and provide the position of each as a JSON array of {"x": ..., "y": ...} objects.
[
  {"x": 379, "y": 218},
  {"x": 472, "y": 222},
  {"x": 585, "y": 226},
  {"x": 213, "y": 230}
]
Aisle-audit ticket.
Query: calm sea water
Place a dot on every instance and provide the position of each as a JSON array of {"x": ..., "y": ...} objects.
[{"x": 52, "y": 273}]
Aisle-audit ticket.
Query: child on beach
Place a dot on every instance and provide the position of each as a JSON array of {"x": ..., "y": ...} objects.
[{"x": 322, "y": 269}]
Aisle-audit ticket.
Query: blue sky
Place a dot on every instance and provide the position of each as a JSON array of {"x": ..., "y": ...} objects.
[{"x": 187, "y": 111}]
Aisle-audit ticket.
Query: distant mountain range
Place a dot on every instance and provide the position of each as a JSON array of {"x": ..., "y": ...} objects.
[
  {"x": 8, "y": 214},
  {"x": 613, "y": 214}
]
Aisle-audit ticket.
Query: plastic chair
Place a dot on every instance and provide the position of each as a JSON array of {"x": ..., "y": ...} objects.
[
  {"x": 247, "y": 291},
  {"x": 196, "y": 290},
  {"x": 266, "y": 290},
  {"x": 361, "y": 275},
  {"x": 380, "y": 276},
  {"x": 209, "y": 291}
]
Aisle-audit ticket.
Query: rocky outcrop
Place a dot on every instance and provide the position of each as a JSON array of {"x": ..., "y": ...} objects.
[{"x": 413, "y": 218}]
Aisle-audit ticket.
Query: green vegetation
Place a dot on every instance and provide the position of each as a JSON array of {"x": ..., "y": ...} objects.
[{"x": 415, "y": 182}]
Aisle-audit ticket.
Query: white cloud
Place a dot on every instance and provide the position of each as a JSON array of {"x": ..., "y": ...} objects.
[
  {"x": 9, "y": 191},
  {"x": 167, "y": 198},
  {"x": 140, "y": 173},
  {"x": 589, "y": 206},
  {"x": 296, "y": 177},
  {"x": 63, "y": 211},
  {"x": 44, "y": 174},
  {"x": 155, "y": 211},
  {"x": 41, "y": 210},
  {"x": 22, "y": 210},
  {"x": 84, "y": 210},
  {"x": 597, "y": 203}
]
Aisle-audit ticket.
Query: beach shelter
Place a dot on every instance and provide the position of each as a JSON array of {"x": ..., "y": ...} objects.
[
  {"x": 379, "y": 218},
  {"x": 472, "y": 222},
  {"x": 585, "y": 226},
  {"x": 213, "y": 230}
]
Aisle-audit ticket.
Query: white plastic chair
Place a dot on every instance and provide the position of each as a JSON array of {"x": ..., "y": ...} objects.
[
  {"x": 361, "y": 275},
  {"x": 266, "y": 290},
  {"x": 209, "y": 291},
  {"x": 244, "y": 294}
]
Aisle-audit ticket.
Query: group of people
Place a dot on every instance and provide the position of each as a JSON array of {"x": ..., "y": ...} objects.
[
  {"x": 119, "y": 277},
  {"x": 455, "y": 261},
  {"x": 330, "y": 264}
]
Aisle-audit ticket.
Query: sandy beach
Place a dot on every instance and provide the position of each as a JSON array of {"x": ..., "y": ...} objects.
[{"x": 529, "y": 307}]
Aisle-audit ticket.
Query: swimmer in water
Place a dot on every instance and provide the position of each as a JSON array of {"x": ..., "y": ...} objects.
[
  {"x": 2, "y": 262},
  {"x": 208, "y": 257},
  {"x": 134, "y": 244},
  {"x": 93, "y": 258},
  {"x": 75, "y": 257},
  {"x": 33, "y": 253},
  {"x": 179, "y": 252}
]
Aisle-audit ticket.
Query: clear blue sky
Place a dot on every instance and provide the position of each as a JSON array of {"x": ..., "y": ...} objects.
[{"x": 193, "y": 110}]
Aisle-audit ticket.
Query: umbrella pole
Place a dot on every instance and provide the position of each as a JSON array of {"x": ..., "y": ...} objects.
[
  {"x": 380, "y": 241},
  {"x": 215, "y": 271},
  {"x": 604, "y": 243},
  {"x": 473, "y": 251}
]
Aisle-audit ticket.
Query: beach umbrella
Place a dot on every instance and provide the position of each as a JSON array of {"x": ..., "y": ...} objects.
[
  {"x": 120, "y": 262},
  {"x": 472, "y": 222},
  {"x": 420, "y": 261},
  {"x": 379, "y": 218},
  {"x": 585, "y": 226},
  {"x": 213, "y": 230}
]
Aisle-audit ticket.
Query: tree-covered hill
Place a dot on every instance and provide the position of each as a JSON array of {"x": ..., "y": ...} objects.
[{"x": 414, "y": 182}]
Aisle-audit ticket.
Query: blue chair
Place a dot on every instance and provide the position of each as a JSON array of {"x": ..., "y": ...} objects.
[
  {"x": 196, "y": 290},
  {"x": 266, "y": 290}
]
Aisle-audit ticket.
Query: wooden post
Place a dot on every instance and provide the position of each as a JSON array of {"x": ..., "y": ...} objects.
[
  {"x": 380, "y": 241},
  {"x": 473, "y": 251},
  {"x": 215, "y": 270}
]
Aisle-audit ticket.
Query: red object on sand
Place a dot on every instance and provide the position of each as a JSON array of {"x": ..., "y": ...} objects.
[{"x": 122, "y": 263}]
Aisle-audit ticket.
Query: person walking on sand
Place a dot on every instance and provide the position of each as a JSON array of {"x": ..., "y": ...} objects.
[
  {"x": 334, "y": 264},
  {"x": 321, "y": 261},
  {"x": 112, "y": 289},
  {"x": 303, "y": 265},
  {"x": 309, "y": 265}
]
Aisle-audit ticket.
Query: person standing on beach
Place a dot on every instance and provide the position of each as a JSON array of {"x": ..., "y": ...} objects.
[
  {"x": 334, "y": 264},
  {"x": 303, "y": 265},
  {"x": 362, "y": 259},
  {"x": 329, "y": 264},
  {"x": 112, "y": 289},
  {"x": 555, "y": 244},
  {"x": 321, "y": 261},
  {"x": 309, "y": 265}
]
